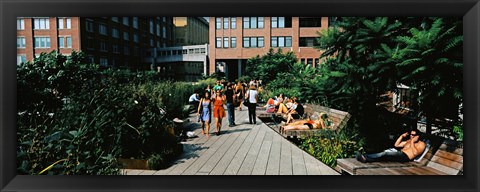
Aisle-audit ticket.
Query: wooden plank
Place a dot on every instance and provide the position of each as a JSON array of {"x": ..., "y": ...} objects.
[
  {"x": 273, "y": 165},
  {"x": 235, "y": 164},
  {"x": 443, "y": 168},
  {"x": 253, "y": 152},
  {"x": 450, "y": 156},
  {"x": 286, "y": 159},
  {"x": 447, "y": 162},
  {"x": 298, "y": 162},
  {"x": 220, "y": 168},
  {"x": 148, "y": 172},
  {"x": 311, "y": 165},
  {"x": 260, "y": 166}
]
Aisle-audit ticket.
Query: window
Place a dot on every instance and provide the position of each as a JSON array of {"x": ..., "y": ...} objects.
[
  {"x": 233, "y": 42},
  {"x": 158, "y": 30},
  {"x": 115, "y": 19},
  {"x": 281, "y": 22},
  {"x": 225, "y": 22},
  {"x": 317, "y": 62},
  {"x": 61, "y": 42},
  {"x": 20, "y": 42},
  {"x": 64, "y": 23},
  {"x": 115, "y": 48},
  {"x": 115, "y": 33},
  {"x": 135, "y": 37},
  {"x": 135, "y": 22},
  {"x": 302, "y": 61},
  {"x": 21, "y": 59},
  {"x": 233, "y": 22},
  {"x": 41, "y": 23},
  {"x": 152, "y": 27},
  {"x": 164, "y": 32},
  {"x": 219, "y": 42},
  {"x": 69, "y": 42},
  {"x": 281, "y": 41},
  {"x": 253, "y": 22},
  {"x": 218, "y": 23},
  {"x": 152, "y": 42},
  {"x": 42, "y": 42},
  {"x": 102, "y": 29},
  {"x": 91, "y": 59},
  {"x": 158, "y": 44},
  {"x": 253, "y": 42},
  {"x": 103, "y": 46},
  {"x": 126, "y": 50},
  {"x": 20, "y": 24},
  {"x": 308, "y": 42},
  {"x": 90, "y": 43},
  {"x": 310, "y": 21},
  {"x": 225, "y": 42},
  {"x": 89, "y": 26},
  {"x": 310, "y": 62},
  {"x": 103, "y": 61},
  {"x": 331, "y": 21},
  {"x": 125, "y": 21},
  {"x": 69, "y": 23},
  {"x": 126, "y": 36}
]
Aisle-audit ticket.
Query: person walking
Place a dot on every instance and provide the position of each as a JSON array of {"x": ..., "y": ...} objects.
[
  {"x": 230, "y": 96},
  {"x": 205, "y": 112},
  {"x": 239, "y": 90},
  {"x": 252, "y": 96},
  {"x": 218, "y": 110}
]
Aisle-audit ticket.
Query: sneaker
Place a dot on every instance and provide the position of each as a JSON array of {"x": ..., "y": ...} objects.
[{"x": 360, "y": 157}]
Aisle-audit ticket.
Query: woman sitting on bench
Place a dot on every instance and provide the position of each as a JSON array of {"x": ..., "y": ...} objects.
[{"x": 308, "y": 124}]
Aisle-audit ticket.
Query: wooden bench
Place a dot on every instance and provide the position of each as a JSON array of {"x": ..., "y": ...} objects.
[
  {"x": 339, "y": 120},
  {"x": 445, "y": 157}
]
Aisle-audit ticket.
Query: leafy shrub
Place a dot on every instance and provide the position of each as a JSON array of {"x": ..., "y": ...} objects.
[{"x": 328, "y": 146}]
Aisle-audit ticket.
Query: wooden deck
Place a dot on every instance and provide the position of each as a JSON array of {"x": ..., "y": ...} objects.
[{"x": 245, "y": 149}]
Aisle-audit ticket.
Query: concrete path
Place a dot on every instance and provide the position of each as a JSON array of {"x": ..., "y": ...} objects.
[{"x": 245, "y": 149}]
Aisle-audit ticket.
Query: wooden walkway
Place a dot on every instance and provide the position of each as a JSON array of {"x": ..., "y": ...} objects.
[{"x": 245, "y": 149}]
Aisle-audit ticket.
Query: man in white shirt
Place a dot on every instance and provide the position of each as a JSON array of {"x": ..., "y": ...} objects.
[{"x": 194, "y": 100}]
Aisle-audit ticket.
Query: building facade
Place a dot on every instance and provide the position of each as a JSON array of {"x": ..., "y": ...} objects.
[
  {"x": 190, "y": 31},
  {"x": 233, "y": 40},
  {"x": 108, "y": 41}
]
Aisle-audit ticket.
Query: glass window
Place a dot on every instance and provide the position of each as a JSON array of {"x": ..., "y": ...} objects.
[
  {"x": 225, "y": 42},
  {"x": 89, "y": 26},
  {"x": 288, "y": 41},
  {"x": 274, "y": 42},
  {"x": 274, "y": 22},
  {"x": 261, "y": 22},
  {"x": 246, "y": 42},
  {"x": 115, "y": 48},
  {"x": 253, "y": 22},
  {"x": 20, "y": 42},
  {"x": 253, "y": 42},
  {"x": 21, "y": 24},
  {"x": 164, "y": 32},
  {"x": 219, "y": 42},
  {"x": 126, "y": 50},
  {"x": 218, "y": 22},
  {"x": 102, "y": 29},
  {"x": 115, "y": 19},
  {"x": 69, "y": 23},
  {"x": 158, "y": 30},
  {"x": 103, "y": 46},
  {"x": 115, "y": 33},
  {"x": 21, "y": 59},
  {"x": 260, "y": 42},
  {"x": 135, "y": 37},
  {"x": 310, "y": 21},
  {"x": 135, "y": 22},
  {"x": 225, "y": 23},
  {"x": 310, "y": 62},
  {"x": 61, "y": 42},
  {"x": 317, "y": 62},
  {"x": 281, "y": 41},
  {"x": 308, "y": 42},
  {"x": 69, "y": 42},
  {"x": 60, "y": 23},
  {"x": 152, "y": 27},
  {"x": 42, "y": 42},
  {"x": 104, "y": 62},
  {"x": 233, "y": 42},
  {"x": 41, "y": 23},
  {"x": 281, "y": 22},
  {"x": 126, "y": 36},
  {"x": 233, "y": 22},
  {"x": 125, "y": 21},
  {"x": 246, "y": 22}
]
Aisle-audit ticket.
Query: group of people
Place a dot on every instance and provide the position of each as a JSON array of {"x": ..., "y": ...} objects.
[{"x": 224, "y": 93}]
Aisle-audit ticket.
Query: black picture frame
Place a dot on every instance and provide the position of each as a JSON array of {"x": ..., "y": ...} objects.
[{"x": 10, "y": 9}]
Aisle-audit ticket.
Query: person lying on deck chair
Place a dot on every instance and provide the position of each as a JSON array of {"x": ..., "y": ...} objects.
[
  {"x": 409, "y": 144},
  {"x": 319, "y": 123}
]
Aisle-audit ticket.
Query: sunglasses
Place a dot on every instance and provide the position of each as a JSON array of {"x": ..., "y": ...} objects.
[{"x": 413, "y": 134}]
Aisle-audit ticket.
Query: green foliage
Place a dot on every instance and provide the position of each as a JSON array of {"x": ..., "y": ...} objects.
[
  {"x": 82, "y": 119},
  {"x": 328, "y": 146},
  {"x": 269, "y": 65},
  {"x": 458, "y": 130}
]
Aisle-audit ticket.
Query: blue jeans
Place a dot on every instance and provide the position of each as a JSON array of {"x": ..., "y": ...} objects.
[
  {"x": 391, "y": 154},
  {"x": 231, "y": 113}
]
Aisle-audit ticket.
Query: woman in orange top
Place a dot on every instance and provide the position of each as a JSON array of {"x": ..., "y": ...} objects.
[{"x": 219, "y": 110}]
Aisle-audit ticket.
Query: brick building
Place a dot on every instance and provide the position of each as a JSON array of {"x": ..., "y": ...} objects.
[
  {"x": 108, "y": 41},
  {"x": 233, "y": 40},
  {"x": 190, "y": 31}
]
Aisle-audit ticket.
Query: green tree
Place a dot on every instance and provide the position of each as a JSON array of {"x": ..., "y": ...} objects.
[{"x": 269, "y": 65}]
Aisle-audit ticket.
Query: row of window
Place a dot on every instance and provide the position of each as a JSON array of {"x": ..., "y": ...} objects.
[
  {"x": 44, "y": 42},
  {"x": 310, "y": 61},
  {"x": 276, "y": 41},
  {"x": 102, "y": 29},
  {"x": 44, "y": 23},
  {"x": 182, "y": 52},
  {"x": 104, "y": 47},
  {"x": 258, "y": 22}
]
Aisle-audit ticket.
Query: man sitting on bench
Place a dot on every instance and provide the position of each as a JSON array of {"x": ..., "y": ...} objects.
[{"x": 409, "y": 149}]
